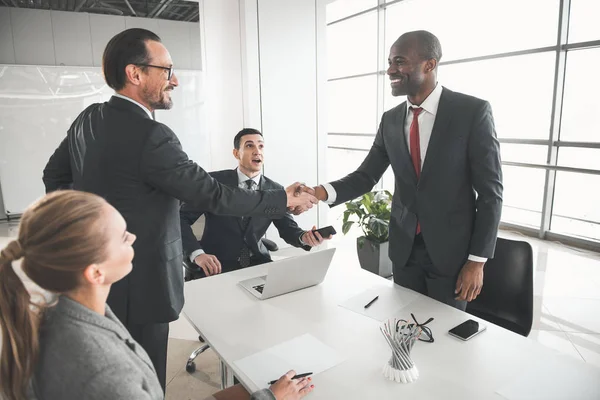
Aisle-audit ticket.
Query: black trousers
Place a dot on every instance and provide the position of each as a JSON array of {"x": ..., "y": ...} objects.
[
  {"x": 420, "y": 275},
  {"x": 154, "y": 339}
]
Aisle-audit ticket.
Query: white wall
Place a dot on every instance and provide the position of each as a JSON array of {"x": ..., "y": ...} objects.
[
  {"x": 261, "y": 62},
  {"x": 220, "y": 27},
  {"x": 43, "y": 37}
]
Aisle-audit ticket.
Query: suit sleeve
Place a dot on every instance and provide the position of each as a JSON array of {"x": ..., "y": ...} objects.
[
  {"x": 368, "y": 173},
  {"x": 166, "y": 166},
  {"x": 188, "y": 216},
  {"x": 290, "y": 231},
  {"x": 57, "y": 173},
  {"x": 486, "y": 176}
]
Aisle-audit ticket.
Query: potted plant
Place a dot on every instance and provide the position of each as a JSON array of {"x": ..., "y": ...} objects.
[{"x": 373, "y": 211}]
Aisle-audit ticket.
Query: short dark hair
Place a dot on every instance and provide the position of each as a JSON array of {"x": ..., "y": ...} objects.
[
  {"x": 428, "y": 45},
  {"x": 237, "y": 140},
  {"x": 127, "y": 47}
]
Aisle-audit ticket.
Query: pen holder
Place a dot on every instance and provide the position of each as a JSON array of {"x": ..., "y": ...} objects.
[{"x": 401, "y": 337}]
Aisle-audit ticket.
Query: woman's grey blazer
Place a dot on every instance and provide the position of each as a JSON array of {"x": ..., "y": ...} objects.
[{"x": 84, "y": 355}]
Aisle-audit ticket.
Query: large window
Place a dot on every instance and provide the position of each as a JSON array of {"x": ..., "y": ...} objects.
[
  {"x": 471, "y": 28},
  {"x": 533, "y": 60}
]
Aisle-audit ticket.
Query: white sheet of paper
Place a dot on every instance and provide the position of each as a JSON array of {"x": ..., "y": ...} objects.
[
  {"x": 302, "y": 354},
  {"x": 391, "y": 301},
  {"x": 545, "y": 379}
]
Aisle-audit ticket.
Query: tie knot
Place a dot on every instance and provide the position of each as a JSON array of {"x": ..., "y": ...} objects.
[
  {"x": 416, "y": 110},
  {"x": 249, "y": 183}
]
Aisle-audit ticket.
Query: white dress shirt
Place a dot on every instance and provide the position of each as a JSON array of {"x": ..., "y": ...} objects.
[
  {"x": 134, "y": 102},
  {"x": 242, "y": 178},
  {"x": 426, "y": 120}
]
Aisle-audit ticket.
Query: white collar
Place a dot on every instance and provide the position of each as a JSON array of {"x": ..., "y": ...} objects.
[
  {"x": 431, "y": 103},
  {"x": 243, "y": 177},
  {"x": 134, "y": 102}
]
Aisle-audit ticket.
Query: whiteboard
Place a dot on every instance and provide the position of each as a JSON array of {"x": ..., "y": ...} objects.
[{"x": 38, "y": 105}]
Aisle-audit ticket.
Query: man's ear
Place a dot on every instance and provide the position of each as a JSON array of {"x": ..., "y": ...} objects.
[
  {"x": 94, "y": 275},
  {"x": 430, "y": 65},
  {"x": 236, "y": 154},
  {"x": 133, "y": 74}
]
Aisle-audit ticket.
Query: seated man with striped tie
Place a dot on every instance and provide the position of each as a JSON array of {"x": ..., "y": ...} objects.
[{"x": 230, "y": 243}]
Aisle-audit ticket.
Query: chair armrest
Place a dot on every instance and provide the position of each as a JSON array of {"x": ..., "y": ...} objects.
[
  {"x": 189, "y": 266},
  {"x": 269, "y": 244},
  {"x": 192, "y": 271}
]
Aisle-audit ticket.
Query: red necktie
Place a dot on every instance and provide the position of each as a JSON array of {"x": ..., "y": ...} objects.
[{"x": 415, "y": 147}]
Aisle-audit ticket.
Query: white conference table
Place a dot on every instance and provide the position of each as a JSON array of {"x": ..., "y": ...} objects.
[{"x": 237, "y": 325}]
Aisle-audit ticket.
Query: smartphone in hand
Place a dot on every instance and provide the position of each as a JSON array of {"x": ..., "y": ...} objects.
[{"x": 326, "y": 231}]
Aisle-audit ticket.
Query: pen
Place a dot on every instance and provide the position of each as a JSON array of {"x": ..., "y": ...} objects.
[
  {"x": 371, "y": 302},
  {"x": 295, "y": 377}
]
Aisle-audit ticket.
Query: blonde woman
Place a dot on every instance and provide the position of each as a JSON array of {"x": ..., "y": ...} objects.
[{"x": 76, "y": 245}]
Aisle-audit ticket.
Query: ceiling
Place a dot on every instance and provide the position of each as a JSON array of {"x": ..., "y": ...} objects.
[{"x": 176, "y": 10}]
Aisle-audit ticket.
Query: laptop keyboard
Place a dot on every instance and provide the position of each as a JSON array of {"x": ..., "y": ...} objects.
[{"x": 259, "y": 288}]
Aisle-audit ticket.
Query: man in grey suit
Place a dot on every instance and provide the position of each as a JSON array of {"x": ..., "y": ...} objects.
[{"x": 443, "y": 149}]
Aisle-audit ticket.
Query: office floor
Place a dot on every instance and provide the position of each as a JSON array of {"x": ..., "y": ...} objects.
[{"x": 566, "y": 317}]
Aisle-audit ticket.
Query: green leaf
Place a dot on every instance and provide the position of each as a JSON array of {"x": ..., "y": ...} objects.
[
  {"x": 347, "y": 214},
  {"x": 346, "y": 226},
  {"x": 379, "y": 228},
  {"x": 351, "y": 206},
  {"x": 367, "y": 201}
]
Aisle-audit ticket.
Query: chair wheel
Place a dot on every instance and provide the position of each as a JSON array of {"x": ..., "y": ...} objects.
[
  {"x": 190, "y": 367},
  {"x": 201, "y": 339}
]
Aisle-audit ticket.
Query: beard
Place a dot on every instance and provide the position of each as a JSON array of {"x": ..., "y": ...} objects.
[
  {"x": 158, "y": 100},
  {"x": 407, "y": 88}
]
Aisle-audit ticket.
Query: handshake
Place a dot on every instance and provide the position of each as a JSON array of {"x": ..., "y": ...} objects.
[{"x": 301, "y": 198}]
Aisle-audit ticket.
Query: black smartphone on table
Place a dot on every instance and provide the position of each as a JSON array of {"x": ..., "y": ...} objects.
[{"x": 467, "y": 329}]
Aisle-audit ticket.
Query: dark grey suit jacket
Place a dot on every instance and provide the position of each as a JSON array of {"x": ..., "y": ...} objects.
[
  {"x": 458, "y": 198},
  {"x": 224, "y": 237},
  {"x": 137, "y": 164}
]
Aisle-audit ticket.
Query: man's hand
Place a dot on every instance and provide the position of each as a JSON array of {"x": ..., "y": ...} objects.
[
  {"x": 313, "y": 238},
  {"x": 320, "y": 193},
  {"x": 209, "y": 264},
  {"x": 300, "y": 198},
  {"x": 470, "y": 281},
  {"x": 287, "y": 388}
]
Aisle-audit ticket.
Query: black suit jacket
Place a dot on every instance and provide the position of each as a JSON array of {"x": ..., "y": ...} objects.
[
  {"x": 137, "y": 164},
  {"x": 224, "y": 237},
  {"x": 458, "y": 198}
]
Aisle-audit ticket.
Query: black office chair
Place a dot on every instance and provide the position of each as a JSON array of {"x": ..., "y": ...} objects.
[
  {"x": 506, "y": 298},
  {"x": 192, "y": 272}
]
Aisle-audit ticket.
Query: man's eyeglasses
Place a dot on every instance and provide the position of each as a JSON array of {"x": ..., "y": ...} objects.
[
  {"x": 425, "y": 336},
  {"x": 168, "y": 69}
]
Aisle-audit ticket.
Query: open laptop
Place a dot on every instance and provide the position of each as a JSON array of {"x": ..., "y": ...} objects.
[{"x": 290, "y": 274}]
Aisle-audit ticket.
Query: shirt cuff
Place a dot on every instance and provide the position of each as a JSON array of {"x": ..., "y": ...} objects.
[
  {"x": 302, "y": 241},
  {"x": 195, "y": 254},
  {"x": 331, "y": 193},
  {"x": 477, "y": 258}
]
